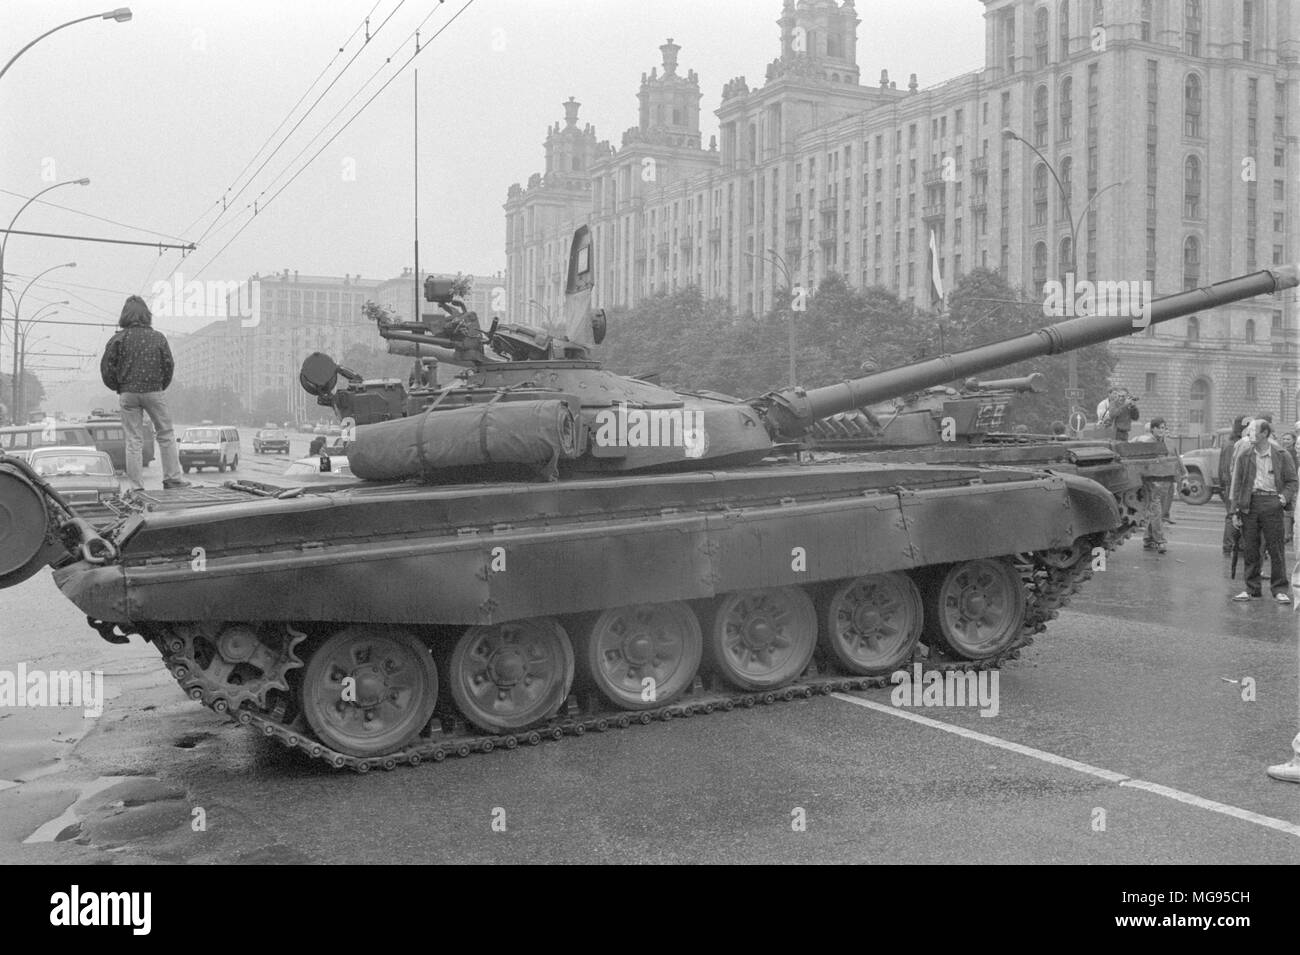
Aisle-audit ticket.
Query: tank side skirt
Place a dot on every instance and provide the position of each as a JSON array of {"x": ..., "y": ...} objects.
[{"x": 517, "y": 573}]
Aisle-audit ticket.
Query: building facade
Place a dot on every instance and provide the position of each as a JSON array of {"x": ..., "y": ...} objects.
[{"x": 1115, "y": 140}]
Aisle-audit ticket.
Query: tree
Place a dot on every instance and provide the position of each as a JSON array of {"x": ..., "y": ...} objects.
[
  {"x": 220, "y": 404},
  {"x": 33, "y": 393},
  {"x": 271, "y": 405}
]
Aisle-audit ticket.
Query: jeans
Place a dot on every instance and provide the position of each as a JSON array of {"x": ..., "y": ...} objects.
[
  {"x": 1264, "y": 519},
  {"x": 134, "y": 405},
  {"x": 1164, "y": 495},
  {"x": 1155, "y": 531}
]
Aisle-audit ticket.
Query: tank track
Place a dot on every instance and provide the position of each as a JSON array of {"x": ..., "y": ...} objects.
[{"x": 1048, "y": 589}]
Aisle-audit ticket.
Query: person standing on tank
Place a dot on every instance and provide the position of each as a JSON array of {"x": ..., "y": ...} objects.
[
  {"x": 1263, "y": 483},
  {"x": 138, "y": 365}
]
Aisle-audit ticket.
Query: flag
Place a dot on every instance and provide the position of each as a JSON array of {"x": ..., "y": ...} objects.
[{"x": 934, "y": 265}]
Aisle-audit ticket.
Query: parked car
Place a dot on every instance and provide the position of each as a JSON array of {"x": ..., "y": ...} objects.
[
  {"x": 1203, "y": 471},
  {"x": 109, "y": 436},
  {"x": 83, "y": 476},
  {"x": 305, "y": 467},
  {"x": 209, "y": 447},
  {"x": 270, "y": 440},
  {"x": 19, "y": 440}
]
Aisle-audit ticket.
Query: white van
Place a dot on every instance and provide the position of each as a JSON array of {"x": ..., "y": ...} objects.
[{"x": 209, "y": 447}]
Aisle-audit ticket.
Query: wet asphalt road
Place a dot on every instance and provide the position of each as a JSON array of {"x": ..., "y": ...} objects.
[{"x": 1132, "y": 679}]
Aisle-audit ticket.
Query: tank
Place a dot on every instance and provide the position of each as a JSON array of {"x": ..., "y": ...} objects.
[
  {"x": 964, "y": 425},
  {"x": 541, "y": 548}
]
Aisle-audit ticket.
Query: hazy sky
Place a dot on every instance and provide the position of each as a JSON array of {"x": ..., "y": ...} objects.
[{"x": 163, "y": 112}]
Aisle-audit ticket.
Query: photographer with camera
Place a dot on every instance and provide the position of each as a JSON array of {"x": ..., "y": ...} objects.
[{"x": 1118, "y": 411}]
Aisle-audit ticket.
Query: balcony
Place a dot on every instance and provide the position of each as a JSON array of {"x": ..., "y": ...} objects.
[
  {"x": 715, "y": 234},
  {"x": 827, "y": 236},
  {"x": 662, "y": 248},
  {"x": 638, "y": 251},
  {"x": 979, "y": 164},
  {"x": 932, "y": 175},
  {"x": 794, "y": 214},
  {"x": 685, "y": 242},
  {"x": 978, "y": 202},
  {"x": 933, "y": 211}
]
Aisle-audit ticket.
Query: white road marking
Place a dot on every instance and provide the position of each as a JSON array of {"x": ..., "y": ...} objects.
[{"x": 1236, "y": 812}]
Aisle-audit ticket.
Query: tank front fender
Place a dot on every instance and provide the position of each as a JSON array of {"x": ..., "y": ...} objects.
[{"x": 1094, "y": 507}]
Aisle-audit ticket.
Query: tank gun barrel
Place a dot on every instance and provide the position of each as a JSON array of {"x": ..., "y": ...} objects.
[
  {"x": 1035, "y": 383},
  {"x": 791, "y": 411}
]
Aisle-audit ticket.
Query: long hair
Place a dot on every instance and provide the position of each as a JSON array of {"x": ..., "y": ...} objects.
[{"x": 135, "y": 312}]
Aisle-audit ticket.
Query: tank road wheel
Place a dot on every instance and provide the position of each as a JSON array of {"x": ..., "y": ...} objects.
[
  {"x": 761, "y": 639},
  {"x": 871, "y": 624},
  {"x": 976, "y": 609},
  {"x": 510, "y": 676},
  {"x": 628, "y": 646},
  {"x": 369, "y": 690}
]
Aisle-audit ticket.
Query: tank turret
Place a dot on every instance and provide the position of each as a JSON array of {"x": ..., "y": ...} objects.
[{"x": 533, "y": 401}]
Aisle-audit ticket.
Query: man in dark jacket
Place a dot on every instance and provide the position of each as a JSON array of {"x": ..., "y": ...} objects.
[
  {"x": 1263, "y": 484},
  {"x": 1230, "y": 532},
  {"x": 138, "y": 365}
]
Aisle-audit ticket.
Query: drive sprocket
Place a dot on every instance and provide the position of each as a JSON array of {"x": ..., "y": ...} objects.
[{"x": 225, "y": 665}]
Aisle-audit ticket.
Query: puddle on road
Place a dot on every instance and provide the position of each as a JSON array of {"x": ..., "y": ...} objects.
[{"x": 51, "y": 830}]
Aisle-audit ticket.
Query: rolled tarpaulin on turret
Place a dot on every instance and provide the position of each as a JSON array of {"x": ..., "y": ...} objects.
[{"x": 536, "y": 433}]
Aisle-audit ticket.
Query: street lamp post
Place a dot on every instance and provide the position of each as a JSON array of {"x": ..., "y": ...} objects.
[
  {"x": 5, "y": 242},
  {"x": 776, "y": 260},
  {"x": 121, "y": 15},
  {"x": 18, "y": 304},
  {"x": 20, "y": 346},
  {"x": 1072, "y": 358}
]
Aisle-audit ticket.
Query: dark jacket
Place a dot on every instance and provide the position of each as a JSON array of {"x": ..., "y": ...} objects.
[
  {"x": 1225, "y": 466},
  {"x": 137, "y": 359},
  {"x": 1243, "y": 478}
]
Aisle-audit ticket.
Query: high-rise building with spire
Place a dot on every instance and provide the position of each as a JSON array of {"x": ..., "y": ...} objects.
[{"x": 1121, "y": 140}]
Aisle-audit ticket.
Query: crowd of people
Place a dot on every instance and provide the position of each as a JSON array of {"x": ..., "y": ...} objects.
[{"x": 1258, "y": 476}]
